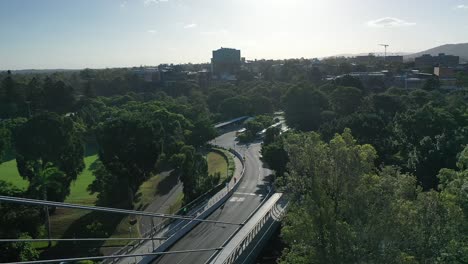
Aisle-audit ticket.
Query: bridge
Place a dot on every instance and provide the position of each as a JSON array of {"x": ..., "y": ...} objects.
[{"x": 229, "y": 224}]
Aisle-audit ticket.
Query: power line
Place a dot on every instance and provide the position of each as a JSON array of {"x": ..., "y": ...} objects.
[
  {"x": 108, "y": 210},
  {"x": 78, "y": 239},
  {"x": 117, "y": 256}
]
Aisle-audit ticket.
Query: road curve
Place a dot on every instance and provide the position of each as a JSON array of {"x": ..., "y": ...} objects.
[{"x": 237, "y": 209}]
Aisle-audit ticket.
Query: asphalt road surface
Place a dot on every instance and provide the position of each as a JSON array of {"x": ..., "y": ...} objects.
[{"x": 237, "y": 209}]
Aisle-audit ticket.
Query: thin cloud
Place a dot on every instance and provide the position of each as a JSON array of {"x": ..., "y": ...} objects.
[
  {"x": 152, "y": 31},
  {"x": 149, "y": 2},
  {"x": 388, "y": 22},
  {"x": 216, "y": 32},
  {"x": 193, "y": 25},
  {"x": 462, "y": 6},
  {"x": 123, "y": 4}
]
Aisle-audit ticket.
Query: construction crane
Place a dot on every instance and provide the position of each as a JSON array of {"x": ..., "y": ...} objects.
[{"x": 385, "y": 45}]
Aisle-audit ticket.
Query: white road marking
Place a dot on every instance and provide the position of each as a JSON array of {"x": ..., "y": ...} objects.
[
  {"x": 241, "y": 193},
  {"x": 237, "y": 199}
]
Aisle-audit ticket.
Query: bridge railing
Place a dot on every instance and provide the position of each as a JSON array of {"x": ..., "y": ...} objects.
[
  {"x": 194, "y": 209},
  {"x": 274, "y": 213},
  {"x": 166, "y": 223}
]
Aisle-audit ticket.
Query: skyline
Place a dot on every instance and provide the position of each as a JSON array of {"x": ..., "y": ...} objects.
[{"x": 54, "y": 34}]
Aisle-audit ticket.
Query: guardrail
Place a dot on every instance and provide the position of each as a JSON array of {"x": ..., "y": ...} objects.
[
  {"x": 184, "y": 226},
  {"x": 166, "y": 223},
  {"x": 198, "y": 208},
  {"x": 250, "y": 231},
  {"x": 212, "y": 257}
]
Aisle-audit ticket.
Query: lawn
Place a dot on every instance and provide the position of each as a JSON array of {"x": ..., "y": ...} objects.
[
  {"x": 9, "y": 173},
  {"x": 217, "y": 163},
  {"x": 78, "y": 193},
  {"x": 64, "y": 217}
]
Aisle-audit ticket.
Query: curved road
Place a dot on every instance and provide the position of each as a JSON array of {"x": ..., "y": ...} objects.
[{"x": 237, "y": 209}]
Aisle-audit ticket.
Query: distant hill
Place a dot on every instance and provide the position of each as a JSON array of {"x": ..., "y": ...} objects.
[
  {"x": 449, "y": 49},
  {"x": 350, "y": 55}
]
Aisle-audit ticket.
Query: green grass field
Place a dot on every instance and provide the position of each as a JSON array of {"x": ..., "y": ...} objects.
[
  {"x": 9, "y": 173},
  {"x": 78, "y": 193},
  {"x": 68, "y": 223},
  {"x": 216, "y": 163}
]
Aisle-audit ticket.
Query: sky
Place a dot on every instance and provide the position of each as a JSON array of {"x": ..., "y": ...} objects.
[{"x": 66, "y": 34}]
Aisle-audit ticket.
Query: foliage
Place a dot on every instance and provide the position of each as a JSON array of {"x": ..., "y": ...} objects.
[
  {"x": 304, "y": 106},
  {"x": 193, "y": 169},
  {"x": 130, "y": 145},
  {"x": 4, "y": 138},
  {"x": 18, "y": 251},
  {"x": 18, "y": 221},
  {"x": 344, "y": 210},
  {"x": 45, "y": 141},
  {"x": 345, "y": 100}
]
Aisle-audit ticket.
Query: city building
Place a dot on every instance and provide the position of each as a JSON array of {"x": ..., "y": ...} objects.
[
  {"x": 226, "y": 63},
  {"x": 372, "y": 59},
  {"x": 148, "y": 74},
  {"x": 394, "y": 59},
  {"x": 428, "y": 61}
]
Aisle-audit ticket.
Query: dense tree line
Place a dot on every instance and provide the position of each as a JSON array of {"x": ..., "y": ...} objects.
[
  {"x": 420, "y": 131},
  {"x": 139, "y": 128},
  {"x": 393, "y": 194},
  {"x": 344, "y": 209}
]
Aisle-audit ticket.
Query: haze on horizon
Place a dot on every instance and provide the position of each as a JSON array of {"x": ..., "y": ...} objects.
[{"x": 51, "y": 34}]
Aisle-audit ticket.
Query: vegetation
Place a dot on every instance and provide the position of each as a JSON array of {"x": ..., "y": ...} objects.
[
  {"x": 358, "y": 190},
  {"x": 346, "y": 210},
  {"x": 217, "y": 164}
]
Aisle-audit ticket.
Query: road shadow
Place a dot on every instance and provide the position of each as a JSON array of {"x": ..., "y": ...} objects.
[
  {"x": 263, "y": 187},
  {"x": 94, "y": 224},
  {"x": 167, "y": 183}
]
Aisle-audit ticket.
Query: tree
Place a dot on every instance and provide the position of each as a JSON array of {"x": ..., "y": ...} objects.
[
  {"x": 303, "y": 107},
  {"x": 58, "y": 97},
  {"x": 234, "y": 107},
  {"x": 202, "y": 132},
  {"x": 10, "y": 96},
  {"x": 48, "y": 140},
  {"x": 429, "y": 139},
  {"x": 18, "y": 221},
  {"x": 34, "y": 96},
  {"x": 261, "y": 105},
  {"x": 271, "y": 135},
  {"x": 49, "y": 154},
  {"x": 109, "y": 187},
  {"x": 315, "y": 75},
  {"x": 275, "y": 156},
  {"x": 350, "y": 81},
  {"x": 344, "y": 210},
  {"x": 217, "y": 96},
  {"x": 47, "y": 182},
  {"x": 431, "y": 84},
  {"x": 129, "y": 147},
  {"x": 19, "y": 251},
  {"x": 194, "y": 173},
  {"x": 346, "y": 100},
  {"x": 4, "y": 138}
]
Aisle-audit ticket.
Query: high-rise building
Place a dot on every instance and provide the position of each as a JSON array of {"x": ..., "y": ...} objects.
[{"x": 226, "y": 63}]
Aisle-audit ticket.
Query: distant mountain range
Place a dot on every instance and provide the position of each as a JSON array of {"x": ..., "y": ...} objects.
[
  {"x": 460, "y": 50},
  {"x": 380, "y": 53},
  {"x": 449, "y": 49}
]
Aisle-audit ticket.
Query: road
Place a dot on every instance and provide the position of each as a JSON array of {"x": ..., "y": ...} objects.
[
  {"x": 237, "y": 209},
  {"x": 169, "y": 190}
]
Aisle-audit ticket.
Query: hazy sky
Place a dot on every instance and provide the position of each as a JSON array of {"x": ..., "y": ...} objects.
[{"x": 118, "y": 33}]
